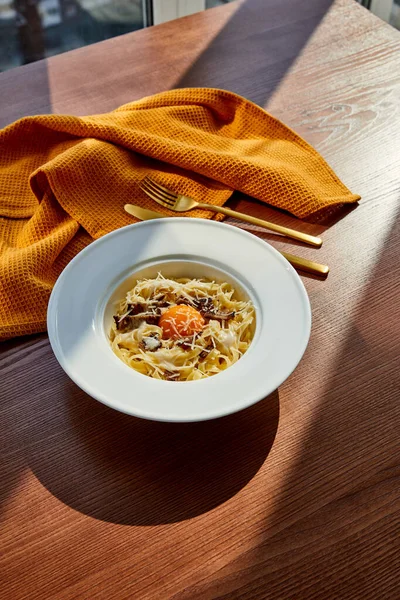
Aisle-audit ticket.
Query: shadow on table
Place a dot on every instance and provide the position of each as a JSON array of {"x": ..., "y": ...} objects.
[
  {"x": 271, "y": 32},
  {"x": 121, "y": 469},
  {"x": 24, "y": 91},
  {"x": 316, "y": 224},
  {"x": 12, "y": 460},
  {"x": 336, "y": 515}
]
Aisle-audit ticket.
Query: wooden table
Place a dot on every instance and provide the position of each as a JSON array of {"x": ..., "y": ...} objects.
[{"x": 297, "y": 497}]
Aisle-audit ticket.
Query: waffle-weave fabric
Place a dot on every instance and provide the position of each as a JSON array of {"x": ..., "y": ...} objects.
[{"x": 64, "y": 180}]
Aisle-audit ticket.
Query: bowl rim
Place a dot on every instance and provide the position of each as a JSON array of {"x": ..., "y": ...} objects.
[{"x": 53, "y": 323}]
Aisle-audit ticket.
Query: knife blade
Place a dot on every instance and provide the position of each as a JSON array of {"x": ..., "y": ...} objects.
[{"x": 144, "y": 214}]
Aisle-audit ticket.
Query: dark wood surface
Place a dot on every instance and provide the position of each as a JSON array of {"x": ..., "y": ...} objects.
[{"x": 297, "y": 497}]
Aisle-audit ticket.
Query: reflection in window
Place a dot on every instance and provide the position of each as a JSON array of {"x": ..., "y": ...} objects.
[
  {"x": 35, "y": 29},
  {"x": 212, "y": 3}
]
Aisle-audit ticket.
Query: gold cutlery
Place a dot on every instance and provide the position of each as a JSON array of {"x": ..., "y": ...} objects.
[
  {"x": 304, "y": 264},
  {"x": 179, "y": 203}
]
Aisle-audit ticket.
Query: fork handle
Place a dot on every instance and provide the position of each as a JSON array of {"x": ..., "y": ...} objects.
[{"x": 291, "y": 233}]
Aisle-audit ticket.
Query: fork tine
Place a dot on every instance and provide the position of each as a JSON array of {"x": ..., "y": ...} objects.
[
  {"x": 156, "y": 188},
  {"x": 156, "y": 197},
  {"x": 158, "y": 200},
  {"x": 159, "y": 187},
  {"x": 158, "y": 193}
]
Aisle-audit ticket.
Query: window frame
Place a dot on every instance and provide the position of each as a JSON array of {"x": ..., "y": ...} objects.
[{"x": 160, "y": 11}]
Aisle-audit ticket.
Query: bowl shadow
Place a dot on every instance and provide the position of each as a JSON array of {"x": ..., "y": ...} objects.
[{"x": 125, "y": 470}]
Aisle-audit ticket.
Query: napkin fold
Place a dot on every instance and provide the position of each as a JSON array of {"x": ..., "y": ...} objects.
[{"x": 64, "y": 180}]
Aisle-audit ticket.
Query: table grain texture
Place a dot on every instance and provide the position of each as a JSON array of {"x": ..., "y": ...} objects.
[{"x": 296, "y": 497}]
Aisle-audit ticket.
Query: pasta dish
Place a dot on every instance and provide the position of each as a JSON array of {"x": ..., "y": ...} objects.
[{"x": 181, "y": 329}]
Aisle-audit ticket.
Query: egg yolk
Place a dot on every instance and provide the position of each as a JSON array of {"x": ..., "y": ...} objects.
[{"x": 181, "y": 321}]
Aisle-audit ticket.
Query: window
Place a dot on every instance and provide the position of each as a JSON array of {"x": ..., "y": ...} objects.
[{"x": 34, "y": 29}]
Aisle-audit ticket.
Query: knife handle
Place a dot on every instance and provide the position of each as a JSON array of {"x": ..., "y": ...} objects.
[{"x": 306, "y": 265}]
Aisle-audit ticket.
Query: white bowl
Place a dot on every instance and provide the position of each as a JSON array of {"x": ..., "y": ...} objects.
[{"x": 81, "y": 306}]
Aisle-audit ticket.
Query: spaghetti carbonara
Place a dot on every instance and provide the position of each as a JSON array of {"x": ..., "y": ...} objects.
[{"x": 181, "y": 329}]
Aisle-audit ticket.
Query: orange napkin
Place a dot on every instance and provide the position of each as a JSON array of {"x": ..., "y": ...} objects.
[{"x": 64, "y": 180}]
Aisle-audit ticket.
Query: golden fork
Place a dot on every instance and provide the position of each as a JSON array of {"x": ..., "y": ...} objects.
[
  {"x": 144, "y": 214},
  {"x": 179, "y": 203}
]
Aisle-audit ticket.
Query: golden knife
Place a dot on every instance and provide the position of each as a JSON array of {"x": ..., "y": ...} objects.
[{"x": 144, "y": 214}]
